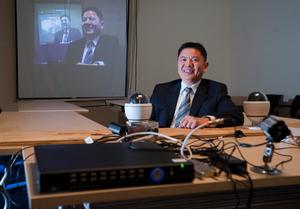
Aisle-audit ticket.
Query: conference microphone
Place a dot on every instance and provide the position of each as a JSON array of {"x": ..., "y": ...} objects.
[{"x": 268, "y": 152}]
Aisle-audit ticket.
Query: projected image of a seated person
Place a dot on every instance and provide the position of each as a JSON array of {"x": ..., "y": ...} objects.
[
  {"x": 94, "y": 48},
  {"x": 56, "y": 28},
  {"x": 67, "y": 33}
]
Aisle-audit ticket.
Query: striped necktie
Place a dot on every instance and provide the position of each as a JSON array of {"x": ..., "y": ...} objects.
[
  {"x": 65, "y": 37},
  {"x": 88, "y": 59},
  {"x": 184, "y": 107}
]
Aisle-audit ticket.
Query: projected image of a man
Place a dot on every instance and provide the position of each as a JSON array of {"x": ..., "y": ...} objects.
[
  {"x": 94, "y": 48},
  {"x": 67, "y": 33},
  {"x": 92, "y": 24}
]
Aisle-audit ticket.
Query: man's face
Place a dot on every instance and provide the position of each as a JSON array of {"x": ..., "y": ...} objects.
[
  {"x": 191, "y": 65},
  {"x": 65, "y": 22},
  {"x": 91, "y": 24}
]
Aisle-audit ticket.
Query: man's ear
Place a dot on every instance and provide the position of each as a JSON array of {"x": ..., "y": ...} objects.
[
  {"x": 206, "y": 67},
  {"x": 102, "y": 24}
]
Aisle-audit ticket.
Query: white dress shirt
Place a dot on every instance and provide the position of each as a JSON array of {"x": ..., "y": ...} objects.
[
  {"x": 181, "y": 97},
  {"x": 86, "y": 48}
]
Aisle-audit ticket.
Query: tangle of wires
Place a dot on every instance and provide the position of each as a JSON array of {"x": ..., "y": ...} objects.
[
  {"x": 214, "y": 148},
  {"x": 190, "y": 148},
  {"x": 12, "y": 179}
]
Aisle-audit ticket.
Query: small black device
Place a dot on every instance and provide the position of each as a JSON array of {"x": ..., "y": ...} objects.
[
  {"x": 229, "y": 163},
  {"x": 117, "y": 128},
  {"x": 91, "y": 166}
]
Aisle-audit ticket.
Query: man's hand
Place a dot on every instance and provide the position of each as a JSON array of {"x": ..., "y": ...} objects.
[{"x": 192, "y": 122}]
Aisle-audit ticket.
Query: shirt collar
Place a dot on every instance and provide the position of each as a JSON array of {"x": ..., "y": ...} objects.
[
  {"x": 193, "y": 86},
  {"x": 95, "y": 40}
]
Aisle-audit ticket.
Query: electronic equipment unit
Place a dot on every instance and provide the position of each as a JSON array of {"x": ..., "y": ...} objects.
[{"x": 91, "y": 166}]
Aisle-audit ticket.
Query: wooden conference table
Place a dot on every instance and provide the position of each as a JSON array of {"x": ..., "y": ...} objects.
[
  {"x": 49, "y": 106},
  {"x": 282, "y": 191},
  {"x": 21, "y": 129}
]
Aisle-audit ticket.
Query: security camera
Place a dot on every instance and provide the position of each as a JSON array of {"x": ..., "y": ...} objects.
[
  {"x": 256, "y": 107},
  {"x": 138, "y": 108}
]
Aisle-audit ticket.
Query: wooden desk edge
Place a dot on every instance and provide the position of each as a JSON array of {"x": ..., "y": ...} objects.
[{"x": 49, "y": 106}]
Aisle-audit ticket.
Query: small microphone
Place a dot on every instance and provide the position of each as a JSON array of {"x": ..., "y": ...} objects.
[
  {"x": 223, "y": 122},
  {"x": 276, "y": 130},
  {"x": 268, "y": 152}
]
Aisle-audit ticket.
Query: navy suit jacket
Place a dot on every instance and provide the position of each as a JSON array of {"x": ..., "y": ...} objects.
[
  {"x": 211, "y": 98},
  {"x": 74, "y": 34},
  {"x": 107, "y": 50}
]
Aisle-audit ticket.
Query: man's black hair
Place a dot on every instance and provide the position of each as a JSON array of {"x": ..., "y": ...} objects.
[
  {"x": 94, "y": 9},
  {"x": 194, "y": 45},
  {"x": 65, "y": 15}
]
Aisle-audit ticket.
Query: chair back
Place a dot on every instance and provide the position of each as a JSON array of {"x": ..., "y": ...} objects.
[
  {"x": 275, "y": 100},
  {"x": 295, "y": 107}
]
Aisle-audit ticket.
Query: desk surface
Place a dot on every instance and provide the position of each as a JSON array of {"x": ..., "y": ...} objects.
[
  {"x": 290, "y": 176},
  {"x": 27, "y": 128},
  {"x": 48, "y": 106}
]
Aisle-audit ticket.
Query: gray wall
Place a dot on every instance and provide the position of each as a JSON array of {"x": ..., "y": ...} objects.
[{"x": 251, "y": 44}]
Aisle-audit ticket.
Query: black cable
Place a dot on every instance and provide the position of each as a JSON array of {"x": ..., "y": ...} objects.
[
  {"x": 207, "y": 147},
  {"x": 18, "y": 152},
  {"x": 10, "y": 164},
  {"x": 251, "y": 191},
  {"x": 28, "y": 156},
  {"x": 209, "y": 142},
  {"x": 199, "y": 146},
  {"x": 240, "y": 134},
  {"x": 235, "y": 191},
  {"x": 249, "y": 202},
  {"x": 219, "y": 145},
  {"x": 283, "y": 161},
  {"x": 18, "y": 174},
  {"x": 233, "y": 147},
  {"x": 276, "y": 166},
  {"x": 107, "y": 138},
  {"x": 247, "y": 145},
  {"x": 242, "y": 156}
]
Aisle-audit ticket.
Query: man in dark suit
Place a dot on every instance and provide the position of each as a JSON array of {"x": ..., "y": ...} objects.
[
  {"x": 206, "y": 99},
  {"x": 93, "y": 48},
  {"x": 67, "y": 34}
]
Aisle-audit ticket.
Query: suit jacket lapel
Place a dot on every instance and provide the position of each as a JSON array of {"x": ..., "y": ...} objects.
[
  {"x": 174, "y": 93},
  {"x": 199, "y": 97}
]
